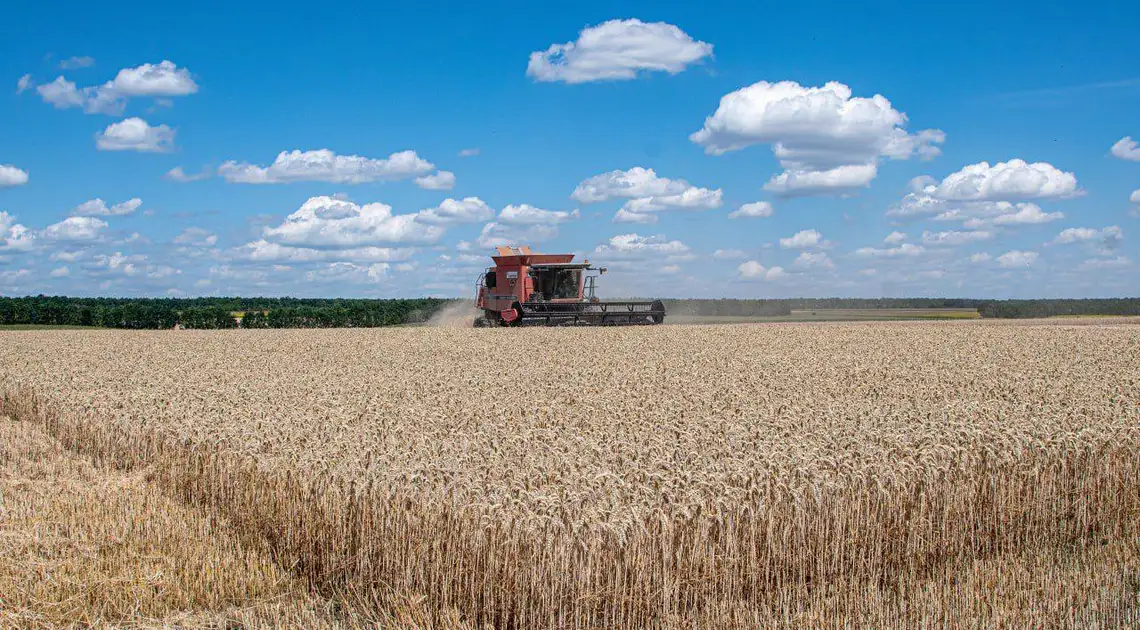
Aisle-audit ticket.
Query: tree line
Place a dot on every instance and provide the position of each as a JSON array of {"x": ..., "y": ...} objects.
[
  {"x": 213, "y": 313},
  {"x": 258, "y": 312}
]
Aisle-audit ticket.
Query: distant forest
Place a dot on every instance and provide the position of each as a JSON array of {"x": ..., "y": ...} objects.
[{"x": 233, "y": 312}]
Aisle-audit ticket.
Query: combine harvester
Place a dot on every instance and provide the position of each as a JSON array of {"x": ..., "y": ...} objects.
[{"x": 528, "y": 289}]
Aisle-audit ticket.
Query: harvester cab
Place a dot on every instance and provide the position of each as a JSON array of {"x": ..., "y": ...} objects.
[{"x": 524, "y": 288}]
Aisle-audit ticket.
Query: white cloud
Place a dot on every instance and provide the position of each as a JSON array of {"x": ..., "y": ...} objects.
[
  {"x": 134, "y": 266},
  {"x": 1135, "y": 197},
  {"x": 325, "y": 166},
  {"x": 839, "y": 180},
  {"x": 1014, "y": 259},
  {"x": 495, "y": 234},
  {"x": 135, "y": 134},
  {"x": 350, "y": 273},
  {"x": 196, "y": 237},
  {"x": 954, "y": 238},
  {"x": 264, "y": 251},
  {"x": 472, "y": 152},
  {"x": 753, "y": 270},
  {"x": 906, "y": 249},
  {"x": 1021, "y": 214},
  {"x": 405, "y": 267},
  {"x": 1005, "y": 181},
  {"x": 635, "y": 246},
  {"x": 12, "y": 176},
  {"x": 76, "y": 62},
  {"x": 13, "y": 236},
  {"x": 176, "y": 174},
  {"x": 647, "y": 193},
  {"x": 1106, "y": 239},
  {"x": 326, "y": 222},
  {"x": 1126, "y": 149},
  {"x": 524, "y": 214},
  {"x": 98, "y": 208},
  {"x": 802, "y": 239},
  {"x": 625, "y": 216},
  {"x": 61, "y": 93},
  {"x": 162, "y": 79},
  {"x": 812, "y": 261},
  {"x": 729, "y": 254},
  {"x": 75, "y": 229},
  {"x": 1119, "y": 262},
  {"x": 60, "y": 272},
  {"x": 894, "y": 238},
  {"x": 618, "y": 49},
  {"x": 826, "y": 140},
  {"x": 24, "y": 83},
  {"x": 980, "y": 257},
  {"x": 757, "y": 209},
  {"x": 441, "y": 180},
  {"x": 466, "y": 210}
]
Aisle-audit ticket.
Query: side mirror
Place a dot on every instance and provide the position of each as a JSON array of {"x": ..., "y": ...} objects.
[{"x": 601, "y": 271}]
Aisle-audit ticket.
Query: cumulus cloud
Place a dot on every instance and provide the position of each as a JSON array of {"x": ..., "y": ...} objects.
[
  {"x": 954, "y": 238},
  {"x": 265, "y": 251},
  {"x": 729, "y": 254},
  {"x": 1014, "y": 259},
  {"x": 753, "y": 270},
  {"x": 75, "y": 229},
  {"x": 495, "y": 234},
  {"x": 625, "y": 216},
  {"x": 466, "y": 210},
  {"x": 1106, "y": 240},
  {"x": 1091, "y": 264},
  {"x": 13, "y": 236},
  {"x": 99, "y": 208},
  {"x": 812, "y": 261},
  {"x": 635, "y": 246},
  {"x": 76, "y": 62},
  {"x": 325, "y": 166},
  {"x": 757, "y": 209},
  {"x": 894, "y": 238},
  {"x": 980, "y": 257},
  {"x": 1126, "y": 149},
  {"x": 12, "y": 176},
  {"x": 327, "y": 222},
  {"x": 60, "y": 272},
  {"x": 134, "y": 266},
  {"x": 1005, "y": 181},
  {"x": 196, "y": 237},
  {"x": 904, "y": 250},
  {"x": 647, "y": 194},
  {"x": 524, "y": 214},
  {"x": 161, "y": 79},
  {"x": 23, "y": 83},
  {"x": 350, "y": 273},
  {"x": 1011, "y": 215},
  {"x": 442, "y": 180},
  {"x": 135, "y": 134},
  {"x": 839, "y": 180},
  {"x": 618, "y": 50},
  {"x": 803, "y": 239},
  {"x": 164, "y": 79},
  {"x": 176, "y": 174},
  {"x": 828, "y": 141}
]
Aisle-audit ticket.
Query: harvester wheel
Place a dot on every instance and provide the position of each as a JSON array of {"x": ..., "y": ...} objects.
[{"x": 481, "y": 322}]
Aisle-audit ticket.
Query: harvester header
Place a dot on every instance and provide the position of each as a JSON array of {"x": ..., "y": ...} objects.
[{"x": 525, "y": 288}]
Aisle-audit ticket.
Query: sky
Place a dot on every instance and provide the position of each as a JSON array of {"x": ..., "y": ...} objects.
[{"x": 693, "y": 149}]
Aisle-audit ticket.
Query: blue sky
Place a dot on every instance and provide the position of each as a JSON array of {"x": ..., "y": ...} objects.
[{"x": 904, "y": 150}]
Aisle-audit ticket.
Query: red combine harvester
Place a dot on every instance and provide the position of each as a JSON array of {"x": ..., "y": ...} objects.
[{"x": 528, "y": 289}]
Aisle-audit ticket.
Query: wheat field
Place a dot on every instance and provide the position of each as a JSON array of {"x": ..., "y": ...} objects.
[{"x": 886, "y": 475}]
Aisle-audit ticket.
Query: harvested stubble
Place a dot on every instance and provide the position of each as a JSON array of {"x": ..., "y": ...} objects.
[{"x": 894, "y": 475}]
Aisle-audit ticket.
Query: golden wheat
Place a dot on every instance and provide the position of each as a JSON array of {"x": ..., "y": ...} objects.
[{"x": 836, "y": 475}]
